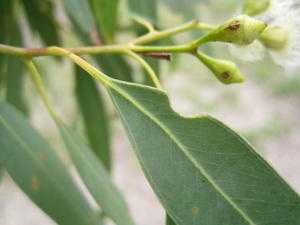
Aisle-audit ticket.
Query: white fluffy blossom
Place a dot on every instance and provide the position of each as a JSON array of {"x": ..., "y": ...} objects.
[{"x": 282, "y": 14}]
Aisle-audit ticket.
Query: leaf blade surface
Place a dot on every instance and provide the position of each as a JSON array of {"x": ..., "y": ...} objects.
[
  {"x": 201, "y": 169},
  {"x": 37, "y": 170}
]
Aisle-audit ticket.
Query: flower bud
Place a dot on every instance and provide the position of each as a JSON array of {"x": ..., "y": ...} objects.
[
  {"x": 275, "y": 38},
  {"x": 255, "y": 7},
  {"x": 239, "y": 30},
  {"x": 225, "y": 71}
]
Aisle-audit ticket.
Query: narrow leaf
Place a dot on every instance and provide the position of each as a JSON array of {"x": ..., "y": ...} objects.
[
  {"x": 94, "y": 115},
  {"x": 105, "y": 13},
  {"x": 41, "y": 19},
  {"x": 14, "y": 75},
  {"x": 14, "y": 83},
  {"x": 80, "y": 12},
  {"x": 34, "y": 166},
  {"x": 202, "y": 171},
  {"x": 96, "y": 178},
  {"x": 144, "y": 8},
  {"x": 113, "y": 65},
  {"x": 7, "y": 18}
]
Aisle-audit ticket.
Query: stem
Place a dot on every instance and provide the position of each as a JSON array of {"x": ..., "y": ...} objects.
[
  {"x": 203, "y": 26},
  {"x": 118, "y": 48},
  {"x": 40, "y": 87},
  {"x": 93, "y": 71},
  {"x": 156, "y": 35},
  {"x": 178, "y": 48},
  {"x": 147, "y": 67},
  {"x": 31, "y": 52},
  {"x": 144, "y": 23}
]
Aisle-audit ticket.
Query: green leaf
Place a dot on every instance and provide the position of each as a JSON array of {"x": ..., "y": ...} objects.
[
  {"x": 201, "y": 170},
  {"x": 35, "y": 167},
  {"x": 95, "y": 118},
  {"x": 7, "y": 18},
  {"x": 169, "y": 220},
  {"x": 14, "y": 75},
  {"x": 96, "y": 178},
  {"x": 105, "y": 13},
  {"x": 80, "y": 12},
  {"x": 114, "y": 65},
  {"x": 144, "y": 8},
  {"x": 41, "y": 19}
]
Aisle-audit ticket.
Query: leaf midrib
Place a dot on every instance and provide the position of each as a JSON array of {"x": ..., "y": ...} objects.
[
  {"x": 29, "y": 152},
  {"x": 184, "y": 150}
]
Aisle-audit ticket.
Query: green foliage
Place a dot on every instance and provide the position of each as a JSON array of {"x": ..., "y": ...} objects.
[
  {"x": 105, "y": 13},
  {"x": 202, "y": 171},
  {"x": 181, "y": 156},
  {"x": 35, "y": 167},
  {"x": 79, "y": 11},
  {"x": 96, "y": 178},
  {"x": 42, "y": 21},
  {"x": 14, "y": 75},
  {"x": 95, "y": 117},
  {"x": 169, "y": 221}
]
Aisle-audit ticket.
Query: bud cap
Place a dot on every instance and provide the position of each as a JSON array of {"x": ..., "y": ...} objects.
[
  {"x": 275, "y": 38},
  {"x": 255, "y": 7}
]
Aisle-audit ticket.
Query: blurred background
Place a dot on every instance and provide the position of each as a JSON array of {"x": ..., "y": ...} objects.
[{"x": 265, "y": 109}]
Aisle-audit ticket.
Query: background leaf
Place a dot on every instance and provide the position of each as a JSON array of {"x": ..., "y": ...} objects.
[
  {"x": 96, "y": 178},
  {"x": 34, "y": 166},
  {"x": 14, "y": 75},
  {"x": 105, "y": 13},
  {"x": 200, "y": 169},
  {"x": 95, "y": 117},
  {"x": 80, "y": 12},
  {"x": 7, "y": 18},
  {"x": 94, "y": 110},
  {"x": 42, "y": 21}
]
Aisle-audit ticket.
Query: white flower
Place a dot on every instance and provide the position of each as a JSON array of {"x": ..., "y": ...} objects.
[{"x": 284, "y": 15}]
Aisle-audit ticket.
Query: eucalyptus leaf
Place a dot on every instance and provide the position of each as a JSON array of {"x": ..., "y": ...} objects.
[
  {"x": 14, "y": 75},
  {"x": 7, "y": 18},
  {"x": 105, "y": 13},
  {"x": 94, "y": 107},
  {"x": 35, "y": 167},
  {"x": 144, "y": 8},
  {"x": 80, "y": 12},
  {"x": 95, "y": 117},
  {"x": 201, "y": 170},
  {"x": 169, "y": 221},
  {"x": 96, "y": 178},
  {"x": 40, "y": 15}
]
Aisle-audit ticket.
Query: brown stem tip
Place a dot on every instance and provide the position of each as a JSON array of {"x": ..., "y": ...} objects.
[{"x": 158, "y": 55}]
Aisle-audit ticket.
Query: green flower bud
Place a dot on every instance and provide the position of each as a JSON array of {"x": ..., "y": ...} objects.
[
  {"x": 239, "y": 30},
  {"x": 255, "y": 7},
  {"x": 225, "y": 71},
  {"x": 275, "y": 38}
]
